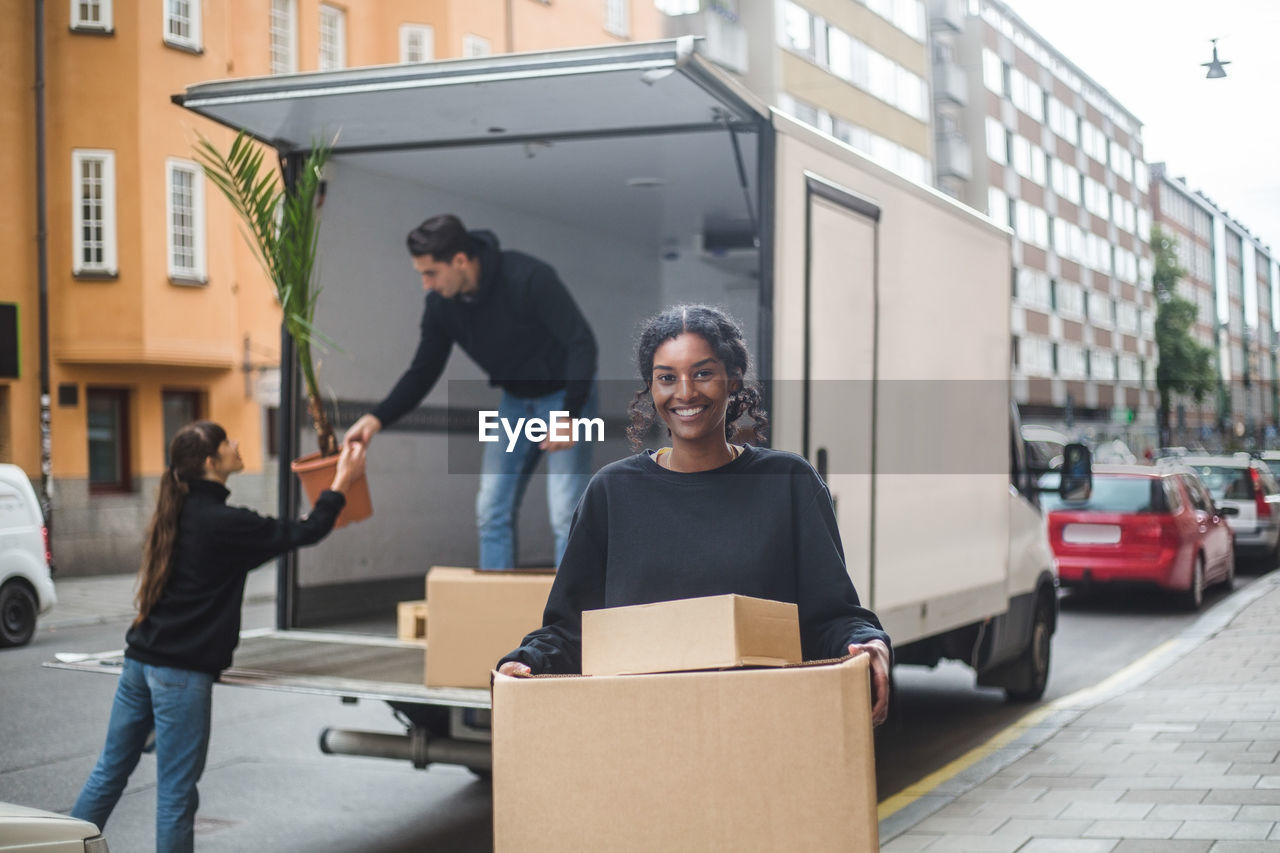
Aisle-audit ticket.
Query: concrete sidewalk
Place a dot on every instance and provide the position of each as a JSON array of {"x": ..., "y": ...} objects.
[
  {"x": 101, "y": 599},
  {"x": 1177, "y": 754}
]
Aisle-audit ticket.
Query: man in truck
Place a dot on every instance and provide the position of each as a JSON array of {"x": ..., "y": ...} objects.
[{"x": 510, "y": 312}]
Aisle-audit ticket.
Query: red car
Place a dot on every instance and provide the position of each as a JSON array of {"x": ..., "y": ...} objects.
[{"x": 1142, "y": 525}]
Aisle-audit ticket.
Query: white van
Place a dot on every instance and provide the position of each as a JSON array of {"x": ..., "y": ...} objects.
[{"x": 26, "y": 587}]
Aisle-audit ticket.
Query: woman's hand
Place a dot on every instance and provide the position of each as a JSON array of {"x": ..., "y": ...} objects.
[
  {"x": 879, "y": 653},
  {"x": 514, "y": 667},
  {"x": 363, "y": 430},
  {"x": 350, "y": 466}
]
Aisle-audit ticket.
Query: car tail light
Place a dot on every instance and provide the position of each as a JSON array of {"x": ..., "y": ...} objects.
[
  {"x": 1259, "y": 494},
  {"x": 48, "y": 552}
]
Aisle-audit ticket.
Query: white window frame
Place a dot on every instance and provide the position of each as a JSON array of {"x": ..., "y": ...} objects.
[
  {"x": 337, "y": 17},
  {"x": 426, "y": 35},
  {"x": 108, "y": 265},
  {"x": 290, "y": 9},
  {"x": 617, "y": 18},
  {"x": 191, "y": 41},
  {"x": 474, "y": 45},
  {"x": 198, "y": 271},
  {"x": 105, "y": 22}
]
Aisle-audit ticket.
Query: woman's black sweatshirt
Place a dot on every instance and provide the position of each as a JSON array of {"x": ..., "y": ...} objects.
[
  {"x": 762, "y": 525},
  {"x": 196, "y": 623}
]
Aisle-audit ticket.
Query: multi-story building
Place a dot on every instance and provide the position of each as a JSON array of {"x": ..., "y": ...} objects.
[
  {"x": 1231, "y": 276},
  {"x": 157, "y": 313},
  {"x": 1056, "y": 158},
  {"x": 857, "y": 70}
]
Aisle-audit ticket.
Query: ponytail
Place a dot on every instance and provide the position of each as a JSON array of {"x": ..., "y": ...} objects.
[{"x": 192, "y": 445}]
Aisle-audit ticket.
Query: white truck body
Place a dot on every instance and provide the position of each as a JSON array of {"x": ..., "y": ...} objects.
[{"x": 877, "y": 309}]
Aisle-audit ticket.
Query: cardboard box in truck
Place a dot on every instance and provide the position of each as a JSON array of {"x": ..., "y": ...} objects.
[
  {"x": 714, "y": 632},
  {"x": 476, "y": 618},
  {"x": 730, "y": 761}
]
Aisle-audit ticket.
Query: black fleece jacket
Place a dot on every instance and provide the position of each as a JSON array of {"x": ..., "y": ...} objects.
[
  {"x": 762, "y": 525},
  {"x": 196, "y": 623},
  {"x": 521, "y": 327}
]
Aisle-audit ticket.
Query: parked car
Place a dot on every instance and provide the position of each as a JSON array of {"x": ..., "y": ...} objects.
[
  {"x": 23, "y": 828},
  {"x": 1247, "y": 484},
  {"x": 1142, "y": 524},
  {"x": 26, "y": 586}
]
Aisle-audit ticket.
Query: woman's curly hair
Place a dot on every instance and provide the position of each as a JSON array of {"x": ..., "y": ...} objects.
[{"x": 724, "y": 335}]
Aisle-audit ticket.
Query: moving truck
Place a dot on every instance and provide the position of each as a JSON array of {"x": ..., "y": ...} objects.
[{"x": 877, "y": 309}]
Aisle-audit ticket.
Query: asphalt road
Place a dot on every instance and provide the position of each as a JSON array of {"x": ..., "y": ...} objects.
[{"x": 268, "y": 787}]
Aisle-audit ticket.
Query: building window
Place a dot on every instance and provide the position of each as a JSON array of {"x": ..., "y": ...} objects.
[
  {"x": 617, "y": 17},
  {"x": 91, "y": 15},
  {"x": 473, "y": 45},
  {"x": 333, "y": 38},
  {"x": 417, "y": 43},
  {"x": 184, "y": 196},
  {"x": 182, "y": 23},
  {"x": 284, "y": 36},
  {"x": 93, "y": 219},
  {"x": 10, "y": 358},
  {"x": 108, "y": 412},
  {"x": 179, "y": 409}
]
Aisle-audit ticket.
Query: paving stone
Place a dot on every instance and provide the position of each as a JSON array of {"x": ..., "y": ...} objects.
[
  {"x": 1163, "y": 845},
  {"x": 909, "y": 843},
  {"x": 1217, "y": 783},
  {"x": 1217, "y": 830},
  {"x": 1067, "y": 796},
  {"x": 972, "y": 825},
  {"x": 1259, "y": 813},
  {"x": 1132, "y": 829},
  {"x": 1269, "y": 782},
  {"x": 1182, "y": 811},
  {"x": 1255, "y": 797},
  {"x": 1149, "y": 795},
  {"x": 1024, "y": 794},
  {"x": 1245, "y": 847},
  {"x": 1107, "y": 811},
  {"x": 1045, "y": 827},
  {"x": 1126, "y": 782},
  {"x": 1070, "y": 845},
  {"x": 1011, "y": 810},
  {"x": 1059, "y": 782},
  {"x": 976, "y": 844}
]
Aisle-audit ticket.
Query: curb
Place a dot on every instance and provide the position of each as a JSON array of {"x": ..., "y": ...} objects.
[{"x": 904, "y": 810}]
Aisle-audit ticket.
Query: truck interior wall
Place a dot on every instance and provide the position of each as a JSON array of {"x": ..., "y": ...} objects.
[
  {"x": 940, "y": 550},
  {"x": 620, "y": 268}
]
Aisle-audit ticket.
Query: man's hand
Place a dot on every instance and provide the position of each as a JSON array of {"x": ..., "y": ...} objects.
[
  {"x": 879, "y": 653},
  {"x": 553, "y": 446},
  {"x": 363, "y": 430},
  {"x": 514, "y": 667}
]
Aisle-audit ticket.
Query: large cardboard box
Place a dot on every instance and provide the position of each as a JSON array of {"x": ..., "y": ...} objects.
[
  {"x": 476, "y": 618},
  {"x": 729, "y": 761},
  {"x": 714, "y": 632}
]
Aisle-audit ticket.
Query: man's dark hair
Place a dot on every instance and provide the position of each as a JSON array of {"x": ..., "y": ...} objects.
[{"x": 442, "y": 237}]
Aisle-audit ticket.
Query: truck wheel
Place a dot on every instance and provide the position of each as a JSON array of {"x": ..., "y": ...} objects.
[
  {"x": 1033, "y": 665},
  {"x": 17, "y": 614},
  {"x": 1193, "y": 597}
]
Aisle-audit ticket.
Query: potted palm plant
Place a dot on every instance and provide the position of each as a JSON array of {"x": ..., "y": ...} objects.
[{"x": 283, "y": 228}]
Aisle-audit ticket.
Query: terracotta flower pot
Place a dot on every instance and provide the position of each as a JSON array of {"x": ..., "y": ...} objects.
[{"x": 316, "y": 473}]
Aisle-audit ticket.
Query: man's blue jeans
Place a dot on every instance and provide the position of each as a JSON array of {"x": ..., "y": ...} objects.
[
  {"x": 505, "y": 476},
  {"x": 177, "y": 703}
]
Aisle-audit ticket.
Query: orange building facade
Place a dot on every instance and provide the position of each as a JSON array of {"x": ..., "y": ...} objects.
[{"x": 157, "y": 311}]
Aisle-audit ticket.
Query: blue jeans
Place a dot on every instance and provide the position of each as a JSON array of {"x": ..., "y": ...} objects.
[
  {"x": 505, "y": 476},
  {"x": 177, "y": 703}
]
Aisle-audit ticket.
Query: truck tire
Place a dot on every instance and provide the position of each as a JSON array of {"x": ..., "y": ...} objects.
[
  {"x": 17, "y": 614},
  {"x": 1032, "y": 667}
]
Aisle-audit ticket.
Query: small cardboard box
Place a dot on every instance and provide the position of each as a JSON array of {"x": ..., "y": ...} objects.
[
  {"x": 476, "y": 618},
  {"x": 411, "y": 621},
  {"x": 730, "y": 761},
  {"x": 715, "y": 632}
]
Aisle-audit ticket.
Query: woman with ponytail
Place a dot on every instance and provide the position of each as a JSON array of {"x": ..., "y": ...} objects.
[
  {"x": 196, "y": 555},
  {"x": 712, "y": 514}
]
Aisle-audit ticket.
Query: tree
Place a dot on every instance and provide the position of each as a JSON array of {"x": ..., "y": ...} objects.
[{"x": 1186, "y": 366}]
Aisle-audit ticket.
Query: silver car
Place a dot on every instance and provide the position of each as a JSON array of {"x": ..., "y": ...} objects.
[{"x": 1246, "y": 484}]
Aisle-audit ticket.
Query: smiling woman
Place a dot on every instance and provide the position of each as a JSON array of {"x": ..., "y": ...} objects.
[{"x": 706, "y": 516}]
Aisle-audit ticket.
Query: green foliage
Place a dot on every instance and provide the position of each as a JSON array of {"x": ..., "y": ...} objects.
[
  {"x": 282, "y": 228},
  {"x": 1186, "y": 366}
]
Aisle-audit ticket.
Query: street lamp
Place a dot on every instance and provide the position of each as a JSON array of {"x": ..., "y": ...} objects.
[{"x": 1215, "y": 66}]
